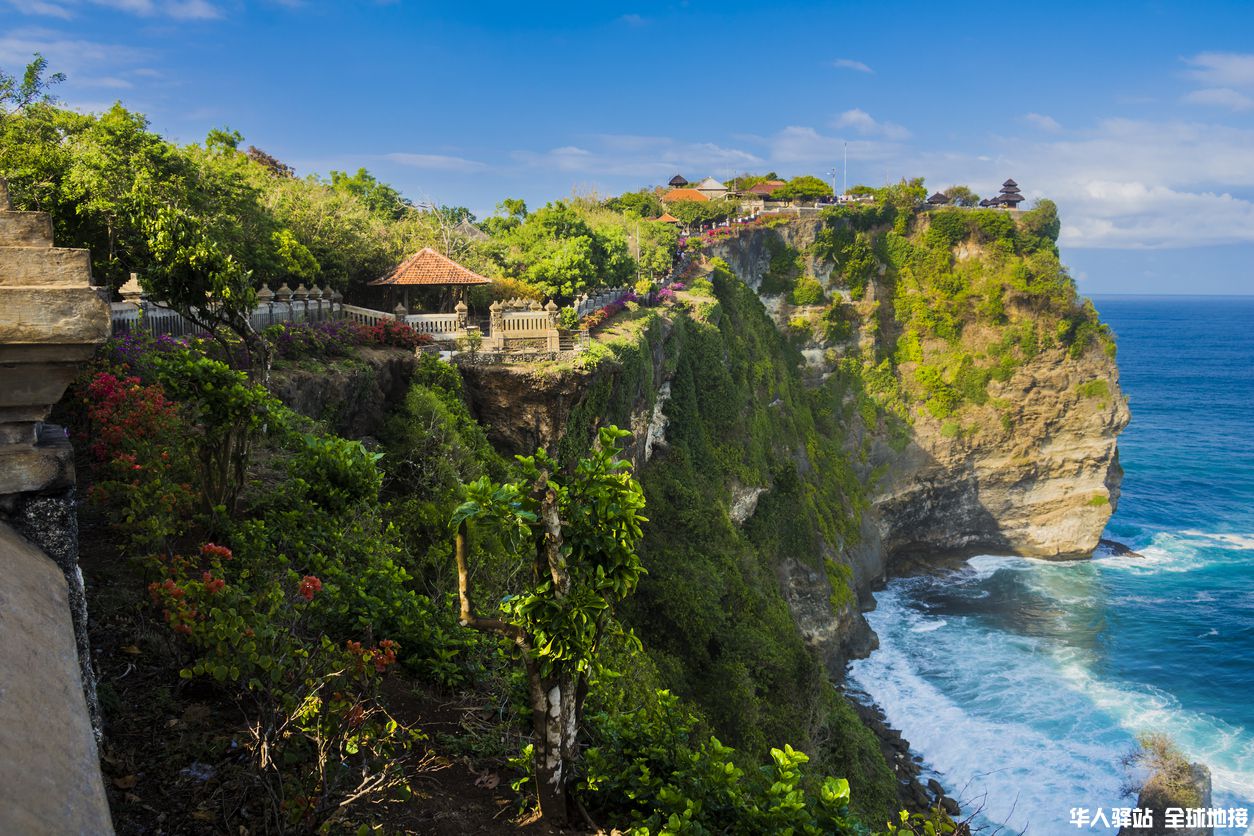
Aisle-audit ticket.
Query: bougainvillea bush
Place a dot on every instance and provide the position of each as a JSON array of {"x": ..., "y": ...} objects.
[
  {"x": 141, "y": 474},
  {"x": 336, "y": 338},
  {"x": 296, "y": 605}
]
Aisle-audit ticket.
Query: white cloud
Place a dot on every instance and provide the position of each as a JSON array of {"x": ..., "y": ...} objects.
[
  {"x": 436, "y": 162},
  {"x": 1123, "y": 184},
  {"x": 176, "y": 9},
  {"x": 1046, "y": 123},
  {"x": 641, "y": 157},
  {"x": 78, "y": 58},
  {"x": 863, "y": 123},
  {"x": 39, "y": 7},
  {"x": 1222, "y": 69},
  {"x": 192, "y": 10},
  {"x": 850, "y": 64},
  {"x": 1220, "y": 97}
]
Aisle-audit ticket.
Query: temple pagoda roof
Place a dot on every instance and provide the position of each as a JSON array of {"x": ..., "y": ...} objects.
[{"x": 430, "y": 268}]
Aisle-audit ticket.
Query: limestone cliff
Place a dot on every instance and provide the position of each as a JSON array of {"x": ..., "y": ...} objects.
[
  {"x": 1034, "y": 470},
  {"x": 837, "y": 396}
]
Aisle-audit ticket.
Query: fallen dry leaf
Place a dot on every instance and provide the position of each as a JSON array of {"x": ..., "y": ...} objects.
[{"x": 126, "y": 782}]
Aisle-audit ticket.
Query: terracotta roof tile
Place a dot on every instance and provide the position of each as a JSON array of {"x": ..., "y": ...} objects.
[
  {"x": 668, "y": 218},
  {"x": 428, "y": 267},
  {"x": 684, "y": 194},
  {"x": 765, "y": 187}
]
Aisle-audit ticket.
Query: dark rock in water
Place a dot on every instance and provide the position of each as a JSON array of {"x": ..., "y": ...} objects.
[
  {"x": 935, "y": 787},
  {"x": 1162, "y": 793},
  {"x": 1117, "y": 549},
  {"x": 950, "y": 806},
  {"x": 919, "y": 795}
]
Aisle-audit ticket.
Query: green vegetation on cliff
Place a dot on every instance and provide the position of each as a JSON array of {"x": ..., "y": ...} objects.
[{"x": 710, "y": 611}]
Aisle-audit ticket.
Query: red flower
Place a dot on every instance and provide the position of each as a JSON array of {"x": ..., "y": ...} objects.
[
  {"x": 212, "y": 585},
  {"x": 214, "y": 550},
  {"x": 309, "y": 587}
]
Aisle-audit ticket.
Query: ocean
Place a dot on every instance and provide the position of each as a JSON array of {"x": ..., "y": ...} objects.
[{"x": 1023, "y": 683}]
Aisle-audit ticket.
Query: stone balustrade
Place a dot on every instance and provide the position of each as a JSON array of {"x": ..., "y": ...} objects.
[
  {"x": 588, "y": 303},
  {"x": 519, "y": 324}
]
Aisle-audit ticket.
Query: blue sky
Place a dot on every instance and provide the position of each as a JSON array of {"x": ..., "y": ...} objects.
[{"x": 1137, "y": 118}]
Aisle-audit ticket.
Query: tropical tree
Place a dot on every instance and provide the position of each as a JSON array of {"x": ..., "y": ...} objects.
[
  {"x": 380, "y": 198},
  {"x": 16, "y": 96},
  {"x": 962, "y": 196},
  {"x": 805, "y": 187},
  {"x": 578, "y": 532}
]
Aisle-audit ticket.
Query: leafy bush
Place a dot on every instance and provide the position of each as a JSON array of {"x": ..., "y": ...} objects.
[
  {"x": 807, "y": 291},
  {"x": 652, "y": 771},
  {"x": 320, "y": 735}
]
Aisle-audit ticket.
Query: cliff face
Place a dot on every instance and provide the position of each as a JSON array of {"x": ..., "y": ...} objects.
[
  {"x": 1043, "y": 487},
  {"x": 1032, "y": 471},
  {"x": 813, "y": 410}
]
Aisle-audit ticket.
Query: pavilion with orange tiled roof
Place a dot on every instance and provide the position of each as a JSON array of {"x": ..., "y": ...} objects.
[
  {"x": 429, "y": 268},
  {"x": 668, "y": 218},
  {"x": 684, "y": 194}
]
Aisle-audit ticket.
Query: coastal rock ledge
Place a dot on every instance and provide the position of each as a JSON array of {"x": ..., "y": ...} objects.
[{"x": 1042, "y": 484}]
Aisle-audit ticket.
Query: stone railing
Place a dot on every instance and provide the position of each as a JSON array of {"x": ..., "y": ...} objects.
[
  {"x": 441, "y": 326},
  {"x": 588, "y": 303},
  {"x": 51, "y": 320},
  {"x": 522, "y": 325},
  {"x": 364, "y": 316},
  {"x": 136, "y": 313}
]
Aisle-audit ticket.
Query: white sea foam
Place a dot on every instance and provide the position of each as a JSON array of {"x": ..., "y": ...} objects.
[
  {"x": 983, "y": 566},
  {"x": 979, "y": 740},
  {"x": 1240, "y": 542},
  {"x": 1228, "y": 750},
  {"x": 1022, "y": 725}
]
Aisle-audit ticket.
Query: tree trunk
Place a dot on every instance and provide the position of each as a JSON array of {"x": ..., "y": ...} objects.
[{"x": 555, "y": 721}]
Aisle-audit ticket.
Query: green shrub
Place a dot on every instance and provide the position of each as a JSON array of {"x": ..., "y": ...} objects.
[
  {"x": 807, "y": 291},
  {"x": 1095, "y": 388},
  {"x": 652, "y": 771}
]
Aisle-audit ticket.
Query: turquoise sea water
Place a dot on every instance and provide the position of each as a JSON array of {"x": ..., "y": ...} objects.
[{"x": 1022, "y": 682}]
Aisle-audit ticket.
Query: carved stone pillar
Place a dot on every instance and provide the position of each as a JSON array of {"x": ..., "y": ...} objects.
[{"x": 51, "y": 319}]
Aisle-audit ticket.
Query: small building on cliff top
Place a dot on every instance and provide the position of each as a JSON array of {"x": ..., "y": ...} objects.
[
  {"x": 711, "y": 188},
  {"x": 1008, "y": 198},
  {"x": 683, "y": 194},
  {"x": 431, "y": 270}
]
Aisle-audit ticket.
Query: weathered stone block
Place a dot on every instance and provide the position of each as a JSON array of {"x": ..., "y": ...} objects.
[
  {"x": 61, "y": 315},
  {"x": 32, "y": 267},
  {"x": 33, "y": 384},
  {"x": 25, "y": 229},
  {"x": 24, "y": 467},
  {"x": 50, "y": 778}
]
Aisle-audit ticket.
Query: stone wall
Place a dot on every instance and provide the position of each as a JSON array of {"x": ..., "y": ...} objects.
[
  {"x": 51, "y": 320},
  {"x": 49, "y": 773}
]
